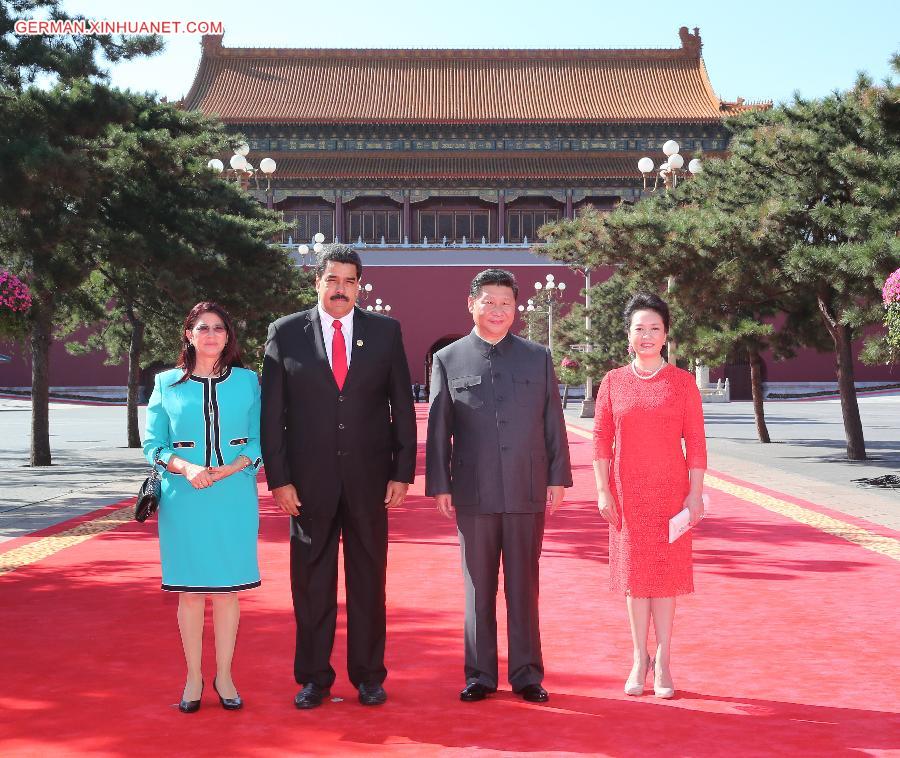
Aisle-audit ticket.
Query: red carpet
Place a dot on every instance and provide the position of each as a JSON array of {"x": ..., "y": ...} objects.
[{"x": 787, "y": 648}]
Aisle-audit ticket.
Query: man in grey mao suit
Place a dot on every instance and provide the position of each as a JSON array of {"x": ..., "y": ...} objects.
[{"x": 496, "y": 456}]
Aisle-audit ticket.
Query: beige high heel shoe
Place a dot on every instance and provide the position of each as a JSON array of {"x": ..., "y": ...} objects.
[
  {"x": 666, "y": 693},
  {"x": 634, "y": 688}
]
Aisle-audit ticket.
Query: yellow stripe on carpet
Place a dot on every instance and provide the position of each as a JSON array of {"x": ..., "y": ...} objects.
[{"x": 47, "y": 546}]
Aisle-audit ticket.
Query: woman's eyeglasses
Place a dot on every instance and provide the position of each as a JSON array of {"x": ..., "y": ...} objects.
[{"x": 204, "y": 329}]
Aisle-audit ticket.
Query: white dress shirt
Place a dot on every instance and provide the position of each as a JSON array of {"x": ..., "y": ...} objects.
[{"x": 328, "y": 332}]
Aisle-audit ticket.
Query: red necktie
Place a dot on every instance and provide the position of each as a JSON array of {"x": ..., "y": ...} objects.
[{"x": 338, "y": 355}]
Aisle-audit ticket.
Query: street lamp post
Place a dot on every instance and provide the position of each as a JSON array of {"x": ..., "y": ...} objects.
[
  {"x": 380, "y": 306},
  {"x": 668, "y": 174},
  {"x": 552, "y": 293},
  {"x": 530, "y": 308},
  {"x": 318, "y": 245},
  {"x": 241, "y": 168},
  {"x": 587, "y": 405}
]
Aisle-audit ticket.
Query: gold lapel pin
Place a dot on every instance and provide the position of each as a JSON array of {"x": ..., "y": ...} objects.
[{"x": 359, "y": 343}]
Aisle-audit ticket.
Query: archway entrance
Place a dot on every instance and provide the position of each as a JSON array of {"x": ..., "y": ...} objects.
[{"x": 429, "y": 357}]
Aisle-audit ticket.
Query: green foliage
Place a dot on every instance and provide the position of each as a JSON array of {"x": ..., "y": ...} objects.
[
  {"x": 51, "y": 177},
  {"x": 892, "y": 323},
  {"x": 23, "y": 58},
  {"x": 782, "y": 245},
  {"x": 13, "y": 325},
  {"x": 171, "y": 233}
]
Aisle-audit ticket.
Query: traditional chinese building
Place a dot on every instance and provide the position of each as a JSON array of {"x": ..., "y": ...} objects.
[{"x": 439, "y": 163}]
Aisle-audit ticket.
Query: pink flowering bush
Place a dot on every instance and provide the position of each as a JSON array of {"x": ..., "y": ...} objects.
[
  {"x": 15, "y": 301},
  {"x": 570, "y": 371},
  {"x": 890, "y": 294}
]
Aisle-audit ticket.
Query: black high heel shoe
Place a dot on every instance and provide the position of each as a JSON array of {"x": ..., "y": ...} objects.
[
  {"x": 192, "y": 706},
  {"x": 229, "y": 703}
]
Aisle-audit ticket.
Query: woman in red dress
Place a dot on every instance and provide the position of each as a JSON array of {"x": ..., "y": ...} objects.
[{"x": 644, "y": 410}]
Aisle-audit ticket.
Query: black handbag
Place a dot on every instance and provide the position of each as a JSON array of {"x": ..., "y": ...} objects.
[{"x": 149, "y": 493}]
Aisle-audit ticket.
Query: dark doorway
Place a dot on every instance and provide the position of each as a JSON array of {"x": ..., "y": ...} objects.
[
  {"x": 737, "y": 371},
  {"x": 429, "y": 358}
]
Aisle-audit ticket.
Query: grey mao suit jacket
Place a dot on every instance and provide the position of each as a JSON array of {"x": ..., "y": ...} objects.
[{"x": 496, "y": 434}]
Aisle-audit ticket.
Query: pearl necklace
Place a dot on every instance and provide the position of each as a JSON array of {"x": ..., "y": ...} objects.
[{"x": 649, "y": 376}]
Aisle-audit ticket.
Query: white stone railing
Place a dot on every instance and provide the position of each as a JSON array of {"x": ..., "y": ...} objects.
[{"x": 720, "y": 392}]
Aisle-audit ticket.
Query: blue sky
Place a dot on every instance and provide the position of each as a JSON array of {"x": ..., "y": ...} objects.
[{"x": 761, "y": 50}]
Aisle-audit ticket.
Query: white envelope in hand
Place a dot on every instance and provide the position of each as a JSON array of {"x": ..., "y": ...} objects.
[{"x": 681, "y": 521}]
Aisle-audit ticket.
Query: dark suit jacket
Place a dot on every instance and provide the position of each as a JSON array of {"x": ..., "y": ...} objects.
[
  {"x": 323, "y": 440},
  {"x": 496, "y": 433}
]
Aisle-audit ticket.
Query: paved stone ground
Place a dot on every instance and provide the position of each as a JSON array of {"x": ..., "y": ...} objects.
[{"x": 92, "y": 467}]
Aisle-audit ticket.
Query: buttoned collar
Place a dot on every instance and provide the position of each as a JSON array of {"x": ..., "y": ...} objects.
[
  {"x": 328, "y": 320},
  {"x": 485, "y": 348}
]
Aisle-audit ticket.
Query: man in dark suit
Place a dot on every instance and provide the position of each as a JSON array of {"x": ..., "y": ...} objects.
[
  {"x": 339, "y": 444},
  {"x": 496, "y": 455}
]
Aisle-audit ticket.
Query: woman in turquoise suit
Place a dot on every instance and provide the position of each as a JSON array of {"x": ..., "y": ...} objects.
[{"x": 203, "y": 432}]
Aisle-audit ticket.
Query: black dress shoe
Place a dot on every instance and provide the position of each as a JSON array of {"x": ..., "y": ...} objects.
[
  {"x": 191, "y": 706},
  {"x": 311, "y": 696},
  {"x": 372, "y": 694},
  {"x": 476, "y": 691},
  {"x": 229, "y": 703},
  {"x": 534, "y": 693}
]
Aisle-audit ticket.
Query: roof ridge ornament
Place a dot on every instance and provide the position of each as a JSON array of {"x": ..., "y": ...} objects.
[
  {"x": 691, "y": 43},
  {"x": 212, "y": 44}
]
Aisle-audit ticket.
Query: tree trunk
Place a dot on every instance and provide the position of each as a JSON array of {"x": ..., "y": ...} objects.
[
  {"x": 842, "y": 336},
  {"x": 135, "y": 348},
  {"x": 41, "y": 337},
  {"x": 756, "y": 386},
  {"x": 856, "y": 443},
  {"x": 565, "y": 399}
]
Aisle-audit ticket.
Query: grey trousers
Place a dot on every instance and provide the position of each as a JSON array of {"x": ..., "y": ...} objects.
[{"x": 484, "y": 539}]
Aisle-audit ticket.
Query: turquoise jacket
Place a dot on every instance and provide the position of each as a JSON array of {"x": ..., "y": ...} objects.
[{"x": 205, "y": 421}]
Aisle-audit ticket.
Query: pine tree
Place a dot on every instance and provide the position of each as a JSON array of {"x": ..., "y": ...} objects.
[
  {"x": 171, "y": 233},
  {"x": 842, "y": 229},
  {"x": 49, "y": 155}
]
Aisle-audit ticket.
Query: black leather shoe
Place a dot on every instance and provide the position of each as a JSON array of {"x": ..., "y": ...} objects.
[
  {"x": 311, "y": 696},
  {"x": 372, "y": 694},
  {"x": 229, "y": 703},
  {"x": 191, "y": 706},
  {"x": 476, "y": 691},
  {"x": 534, "y": 693}
]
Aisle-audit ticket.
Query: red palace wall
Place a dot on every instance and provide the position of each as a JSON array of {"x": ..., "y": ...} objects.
[
  {"x": 66, "y": 370},
  {"x": 430, "y": 303}
]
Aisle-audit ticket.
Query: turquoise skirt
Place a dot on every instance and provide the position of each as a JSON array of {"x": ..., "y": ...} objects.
[{"x": 208, "y": 537}]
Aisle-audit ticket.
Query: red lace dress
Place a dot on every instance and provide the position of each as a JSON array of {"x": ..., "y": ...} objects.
[{"x": 639, "y": 425}]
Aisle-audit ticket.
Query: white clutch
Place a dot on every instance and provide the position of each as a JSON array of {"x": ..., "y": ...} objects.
[{"x": 681, "y": 521}]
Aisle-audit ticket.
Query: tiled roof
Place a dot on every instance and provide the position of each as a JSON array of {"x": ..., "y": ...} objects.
[
  {"x": 248, "y": 85},
  {"x": 480, "y": 166},
  {"x": 742, "y": 106}
]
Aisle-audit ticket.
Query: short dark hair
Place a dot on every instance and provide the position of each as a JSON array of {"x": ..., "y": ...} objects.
[
  {"x": 338, "y": 254},
  {"x": 646, "y": 301},
  {"x": 498, "y": 276}
]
